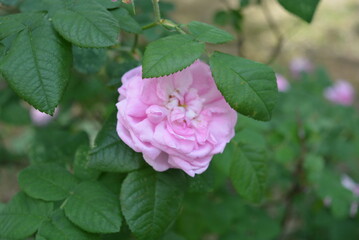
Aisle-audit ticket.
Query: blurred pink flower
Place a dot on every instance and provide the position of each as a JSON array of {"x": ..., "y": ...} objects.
[
  {"x": 40, "y": 118},
  {"x": 300, "y": 65},
  {"x": 176, "y": 121},
  {"x": 352, "y": 186},
  {"x": 342, "y": 92},
  {"x": 282, "y": 83}
]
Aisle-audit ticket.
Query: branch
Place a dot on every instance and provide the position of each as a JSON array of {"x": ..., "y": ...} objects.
[{"x": 275, "y": 30}]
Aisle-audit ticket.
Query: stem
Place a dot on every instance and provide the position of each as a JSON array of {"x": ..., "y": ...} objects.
[
  {"x": 135, "y": 42},
  {"x": 156, "y": 10},
  {"x": 275, "y": 29},
  {"x": 151, "y": 25},
  {"x": 297, "y": 187}
]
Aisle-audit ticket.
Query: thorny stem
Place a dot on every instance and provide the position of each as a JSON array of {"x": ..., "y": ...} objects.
[
  {"x": 275, "y": 29},
  {"x": 297, "y": 187}
]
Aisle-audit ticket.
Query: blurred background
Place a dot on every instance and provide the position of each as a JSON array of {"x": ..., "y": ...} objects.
[{"x": 312, "y": 141}]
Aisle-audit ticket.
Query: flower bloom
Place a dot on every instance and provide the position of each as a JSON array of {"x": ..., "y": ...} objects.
[
  {"x": 300, "y": 65},
  {"x": 342, "y": 92},
  {"x": 176, "y": 121},
  {"x": 282, "y": 83},
  {"x": 40, "y": 118}
]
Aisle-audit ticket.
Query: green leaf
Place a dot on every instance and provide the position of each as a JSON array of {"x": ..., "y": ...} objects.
[
  {"x": 169, "y": 55},
  {"x": 12, "y": 24},
  {"x": 81, "y": 170},
  {"x": 55, "y": 145},
  {"x": 304, "y": 9},
  {"x": 208, "y": 33},
  {"x": 151, "y": 201},
  {"x": 59, "y": 227},
  {"x": 32, "y": 6},
  {"x": 249, "y": 87},
  {"x": 22, "y": 216},
  {"x": 109, "y": 4},
  {"x": 86, "y": 23},
  {"x": 45, "y": 62},
  {"x": 94, "y": 208},
  {"x": 110, "y": 153},
  {"x": 88, "y": 60},
  {"x": 249, "y": 165},
  {"x": 126, "y": 21},
  {"x": 48, "y": 182}
]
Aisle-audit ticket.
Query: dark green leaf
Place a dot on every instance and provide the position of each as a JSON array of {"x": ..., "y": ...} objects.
[
  {"x": 86, "y": 23},
  {"x": 304, "y": 9},
  {"x": 208, "y": 33},
  {"x": 88, "y": 60},
  {"x": 151, "y": 201},
  {"x": 59, "y": 227},
  {"x": 37, "y": 65},
  {"x": 249, "y": 165},
  {"x": 169, "y": 55},
  {"x": 249, "y": 87},
  {"x": 126, "y": 21},
  {"x": 48, "y": 182},
  {"x": 22, "y": 216},
  {"x": 244, "y": 3},
  {"x": 32, "y": 6},
  {"x": 54, "y": 145},
  {"x": 94, "y": 208},
  {"x": 81, "y": 169},
  {"x": 110, "y": 153},
  {"x": 109, "y": 4}
]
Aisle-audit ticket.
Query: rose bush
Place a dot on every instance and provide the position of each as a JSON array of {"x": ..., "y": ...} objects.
[{"x": 176, "y": 121}]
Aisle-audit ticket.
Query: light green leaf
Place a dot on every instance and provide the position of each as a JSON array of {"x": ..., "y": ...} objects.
[
  {"x": 37, "y": 65},
  {"x": 86, "y": 23},
  {"x": 249, "y": 87},
  {"x": 81, "y": 170},
  {"x": 208, "y": 33},
  {"x": 22, "y": 216},
  {"x": 249, "y": 165},
  {"x": 48, "y": 182},
  {"x": 170, "y": 54},
  {"x": 88, "y": 60},
  {"x": 304, "y": 9},
  {"x": 126, "y": 21},
  {"x": 59, "y": 227},
  {"x": 94, "y": 208},
  {"x": 151, "y": 201},
  {"x": 110, "y": 153}
]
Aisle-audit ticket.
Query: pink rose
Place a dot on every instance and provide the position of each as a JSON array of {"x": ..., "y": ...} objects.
[
  {"x": 40, "y": 118},
  {"x": 282, "y": 82},
  {"x": 342, "y": 92},
  {"x": 300, "y": 65},
  {"x": 176, "y": 121}
]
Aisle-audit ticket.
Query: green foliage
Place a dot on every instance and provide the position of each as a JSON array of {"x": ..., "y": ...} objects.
[
  {"x": 249, "y": 165},
  {"x": 53, "y": 229},
  {"x": 44, "y": 61},
  {"x": 88, "y": 60},
  {"x": 81, "y": 169},
  {"x": 110, "y": 153},
  {"x": 126, "y": 21},
  {"x": 249, "y": 87},
  {"x": 170, "y": 54},
  {"x": 48, "y": 182},
  {"x": 22, "y": 216},
  {"x": 208, "y": 33},
  {"x": 304, "y": 9},
  {"x": 85, "y": 23},
  {"x": 94, "y": 208},
  {"x": 151, "y": 201}
]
